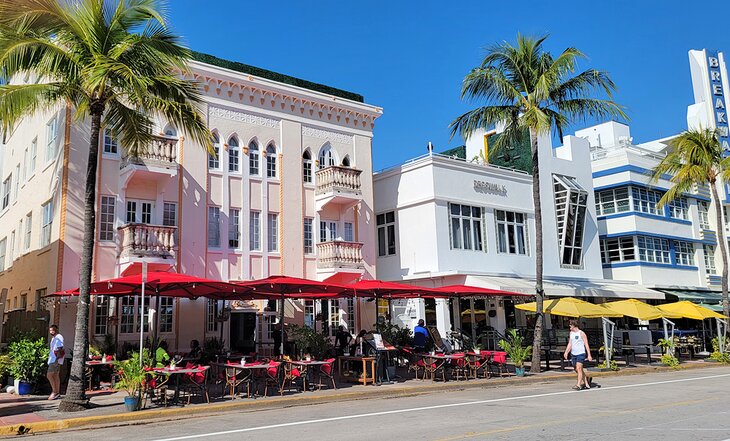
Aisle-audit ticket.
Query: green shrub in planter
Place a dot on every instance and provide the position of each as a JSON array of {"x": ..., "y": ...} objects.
[
  {"x": 29, "y": 358},
  {"x": 514, "y": 349},
  {"x": 612, "y": 365},
  {"x": 669, "y": 360}
]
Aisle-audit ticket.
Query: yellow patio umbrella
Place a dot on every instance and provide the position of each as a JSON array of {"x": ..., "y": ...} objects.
[
  {"x": 476, "y": 312},
  {"x": 687, "y": 309},
  {"x": 570, "y": 307},
  {"x": 638, "y": 309}
]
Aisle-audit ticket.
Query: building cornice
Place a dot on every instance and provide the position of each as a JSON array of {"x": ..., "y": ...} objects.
[{"x": 267, "y": 94}]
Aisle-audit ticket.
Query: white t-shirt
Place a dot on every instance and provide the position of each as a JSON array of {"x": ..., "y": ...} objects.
[
  {"x": 577, "y": 346},
  {"x": 56, "y": 343}
]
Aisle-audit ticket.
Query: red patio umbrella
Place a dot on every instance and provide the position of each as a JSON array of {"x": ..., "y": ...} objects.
[
  {"x": 294, "y": 288},
  {"x": 379, "y": 288},
  {"x": 168, "y": 285}
]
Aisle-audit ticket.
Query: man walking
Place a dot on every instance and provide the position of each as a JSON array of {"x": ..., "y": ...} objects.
[
  {"x": 55, "y": 361},
  {"x": 579, "y": 351}
]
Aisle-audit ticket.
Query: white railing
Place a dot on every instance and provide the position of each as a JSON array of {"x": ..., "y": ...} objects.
[
  {"x": 451, "y": 158},
  {"x": 605, "y": 151},
  {"x": 162, "y": 150},
  {"x": 338, "y": 180},
  {"x": 147, "y": 240},
  {"x": 339, "y": 254}
]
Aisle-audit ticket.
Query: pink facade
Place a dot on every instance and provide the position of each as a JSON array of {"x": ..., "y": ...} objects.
[{"x": 289, "y": 192}]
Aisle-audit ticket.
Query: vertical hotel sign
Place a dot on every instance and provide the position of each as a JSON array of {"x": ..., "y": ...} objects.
[{"x": 717, "y": 95}]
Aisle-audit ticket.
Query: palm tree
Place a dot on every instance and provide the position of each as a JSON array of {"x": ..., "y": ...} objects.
[
  {"x": 529, "y": 91},
  {"x": 696, "y": 158},
  {"x": 115, "y": 62}
]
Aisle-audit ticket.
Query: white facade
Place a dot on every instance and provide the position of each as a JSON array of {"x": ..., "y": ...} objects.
[{"x": 420, "y": 198}]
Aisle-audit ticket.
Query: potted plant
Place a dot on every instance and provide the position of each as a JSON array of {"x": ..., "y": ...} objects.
[
  {"x": 668, "y": 358},
  {"x": 131, "y": 380},
  {"x": 516, "y": 351},
  {"x": 29, "y": 357}
]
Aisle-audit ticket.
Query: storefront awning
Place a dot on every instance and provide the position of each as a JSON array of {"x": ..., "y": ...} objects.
[
  {"x": 695, "y": 296},
  {"x": 569, "y": 288}
]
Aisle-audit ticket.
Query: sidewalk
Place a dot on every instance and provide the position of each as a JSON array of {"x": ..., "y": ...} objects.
[{"x": 35, "y": 414}]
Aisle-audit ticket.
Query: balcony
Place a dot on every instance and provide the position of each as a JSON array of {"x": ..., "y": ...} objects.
[
  {"x": 155, "y": 242},
  {"x": 158, "y": 159},
  {"x": 337, "y": 185},
  {"x": 338, "y": 255}
]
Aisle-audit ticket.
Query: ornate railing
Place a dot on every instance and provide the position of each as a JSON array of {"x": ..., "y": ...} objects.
[
  {"x": 338, "y": 180},
  {"x": 146, "y": 240},
  {"x": 339, "y": 254},
  {"x": 162, "y": 151}
]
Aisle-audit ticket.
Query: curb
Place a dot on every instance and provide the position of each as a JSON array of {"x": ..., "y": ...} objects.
[{"x": 168, "y": 414}]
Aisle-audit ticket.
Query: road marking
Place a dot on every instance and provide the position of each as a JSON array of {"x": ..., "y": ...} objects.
[
  {"x": 438, "y": 406},
  {"x": 574, "y": 419}
]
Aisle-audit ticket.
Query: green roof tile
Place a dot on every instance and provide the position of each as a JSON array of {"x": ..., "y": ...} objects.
[{"x": 274, "y": 76}]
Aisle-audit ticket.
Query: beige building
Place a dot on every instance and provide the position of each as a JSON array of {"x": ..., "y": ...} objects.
[{"x": 289, "y": 192}]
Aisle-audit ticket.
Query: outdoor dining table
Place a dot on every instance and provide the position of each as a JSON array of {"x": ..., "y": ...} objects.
[
  {"x": 92, "y": 365},
  {"x": 237, "y": 373},
  {"x": 434, "y": 362},
  {"x": 365, "y": 378},
  {"x": 304, "y": 366},
  {"x": 176, "y": 374}
]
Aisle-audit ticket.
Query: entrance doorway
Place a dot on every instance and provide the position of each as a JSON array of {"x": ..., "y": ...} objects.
[{"x": 243, "y": 332}]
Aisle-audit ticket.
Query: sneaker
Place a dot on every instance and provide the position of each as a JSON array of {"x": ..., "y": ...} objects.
[
  {"x": 52, "y": 397},
  {"x": 57, "y": 397}
]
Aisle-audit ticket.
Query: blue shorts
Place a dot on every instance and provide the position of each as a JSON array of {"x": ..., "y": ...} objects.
[{"x": 580, "y": 358}]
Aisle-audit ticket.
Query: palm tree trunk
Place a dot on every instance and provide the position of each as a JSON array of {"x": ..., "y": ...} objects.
[
  {"x": 723, "y": 247},
  {"x": 75, "y": 398},
  {"x": 537, "y": 340}
]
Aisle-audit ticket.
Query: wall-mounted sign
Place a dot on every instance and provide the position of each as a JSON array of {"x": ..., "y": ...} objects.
[
  {"x": 490, "y": 188},
  {"x": 717, "y": 94}
]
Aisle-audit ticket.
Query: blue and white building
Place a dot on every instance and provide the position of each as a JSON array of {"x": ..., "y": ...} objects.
[{"x": 672, "y": 249}]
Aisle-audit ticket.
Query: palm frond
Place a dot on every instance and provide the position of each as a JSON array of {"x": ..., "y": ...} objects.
[
  {"x": 582, "y": 109},
  {"x": 481, "y": 118},
  {"x": 19, "y": 100},
  {"x": 694, "y": 157}
]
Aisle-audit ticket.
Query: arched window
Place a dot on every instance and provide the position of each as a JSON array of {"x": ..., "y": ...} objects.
[
  {"x": 233, "y": 154},
  {"x": 271, "y": 161},
  {"x": 327, "y": 157},
  {"x": 170, "y": 130},
  {"x": 346, "y": 161},
  {"x": 253, "y": 159},
  {"x": 307, "y": 166},
  {"x": 214, "y": 158}
]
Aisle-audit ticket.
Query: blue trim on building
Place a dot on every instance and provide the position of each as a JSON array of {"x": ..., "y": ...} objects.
[
  {"x": 714, "y": 279},
  {"x": 649, "y": 187},
  {"x": 653, "y": 264},
  {"x": 662, "y": 236},
  {"x": 646, "y": 215},
  {"x": 627, "y": 168}
]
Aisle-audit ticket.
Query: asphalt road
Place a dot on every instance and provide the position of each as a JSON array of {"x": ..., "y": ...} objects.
[{"x": 669, "y": 406}]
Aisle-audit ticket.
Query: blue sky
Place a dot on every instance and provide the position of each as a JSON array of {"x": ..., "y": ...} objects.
[{"x": 410, "y": 57}]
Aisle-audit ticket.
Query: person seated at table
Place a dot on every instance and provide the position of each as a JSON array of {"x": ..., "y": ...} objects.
[
  {"x": 162, "y": 358},
  {"x": 420, "y": 337},
  {"x": 342, "y": 339},
  {"x": 195, "y": 350}
]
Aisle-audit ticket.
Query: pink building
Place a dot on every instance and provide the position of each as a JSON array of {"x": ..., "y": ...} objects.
[{"x": 289, "y": 192}]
